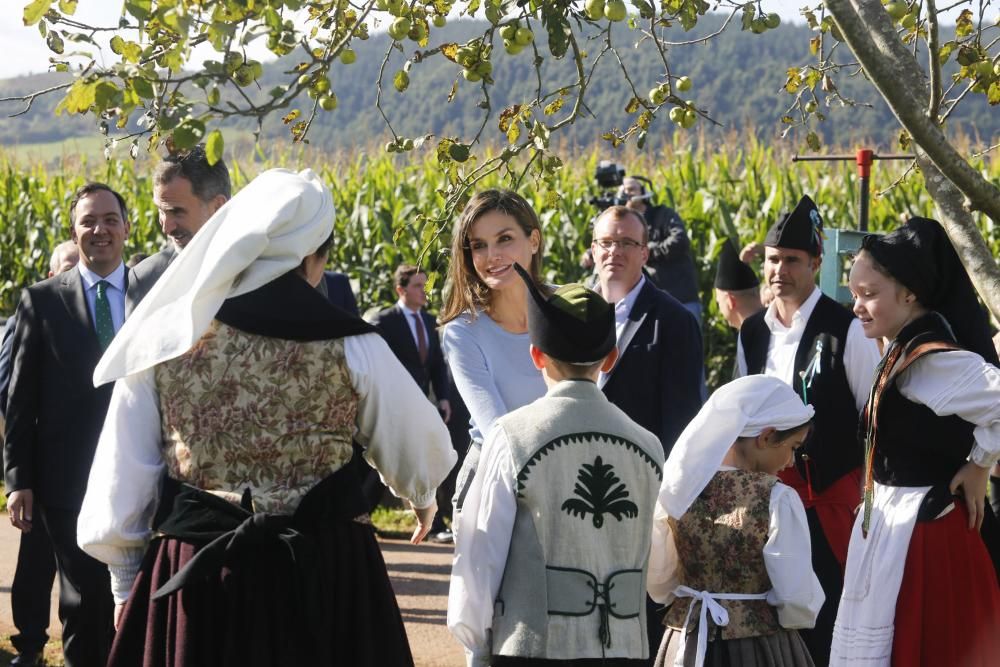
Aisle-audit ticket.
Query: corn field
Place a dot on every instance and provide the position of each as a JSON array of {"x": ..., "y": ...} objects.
[{"x": 386, "y": 207}]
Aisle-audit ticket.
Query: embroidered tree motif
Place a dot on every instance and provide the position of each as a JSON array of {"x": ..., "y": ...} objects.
[{"x": 596, "y": 495}]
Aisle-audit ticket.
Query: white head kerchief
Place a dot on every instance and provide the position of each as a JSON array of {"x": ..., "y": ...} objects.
[
  {"x": 263, "y": 232},
  {"x": 741, "y": 409}
]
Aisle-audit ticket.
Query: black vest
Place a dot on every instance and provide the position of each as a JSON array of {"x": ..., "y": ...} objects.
[
  {"x": 833, "y": 448},
  {"x": 914, "y": 446}
]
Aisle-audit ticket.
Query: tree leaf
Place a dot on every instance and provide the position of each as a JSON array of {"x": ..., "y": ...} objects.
[
  {"x": 188, "y": 133},
  {"x": 514, "y": 133},
  {"x": 632, "y": 106},
  {"x": 141, "y": 9},
  {"x": 213, "y": 146},
  {"x": 107, "y": 95},
  {"x": 553, "y": 106},
  {"x": 67, "y": 7},
  {"x": 812, "y": 140},
  {"x": 117, "y": 45},
  {"x": 34, "y": 12},
  {"x": 993, "y": 94}
]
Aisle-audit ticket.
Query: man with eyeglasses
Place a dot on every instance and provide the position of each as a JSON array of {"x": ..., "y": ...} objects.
[{"x": 657, "y": 380}]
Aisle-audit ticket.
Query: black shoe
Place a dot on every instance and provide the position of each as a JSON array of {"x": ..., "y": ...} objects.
[{"x": 27, "y": 660}]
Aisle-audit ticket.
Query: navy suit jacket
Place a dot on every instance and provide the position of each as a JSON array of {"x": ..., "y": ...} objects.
[
  {"x": 658, "y": 380},
  {"x": 54, "y": 412},
  {"x": 337, "y": 289},
  {"x": 392, "y": 324}
]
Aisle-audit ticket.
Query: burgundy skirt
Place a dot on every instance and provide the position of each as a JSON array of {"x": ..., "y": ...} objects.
[
  {"x": 257, "y": 612},
  {"x": 948, "y": 609}
]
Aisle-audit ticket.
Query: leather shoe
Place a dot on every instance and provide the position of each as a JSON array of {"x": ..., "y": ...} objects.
[{"x": 27, "y": 660}]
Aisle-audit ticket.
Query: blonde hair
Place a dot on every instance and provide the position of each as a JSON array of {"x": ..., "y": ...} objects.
[{"x": 466, "y": 290}]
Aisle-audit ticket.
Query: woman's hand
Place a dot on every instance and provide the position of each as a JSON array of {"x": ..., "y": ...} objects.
[
  {"x": 425, "y": 517},
  {"x": 972, "y": 479}
]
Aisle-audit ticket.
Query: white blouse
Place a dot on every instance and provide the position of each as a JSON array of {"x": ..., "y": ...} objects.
[
  {"x": 402, "y": 432},
  {"x": 795, "y": 590}
]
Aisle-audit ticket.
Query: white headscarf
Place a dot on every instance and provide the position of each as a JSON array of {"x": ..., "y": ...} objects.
[
  {"x": 741, "y": 409},
  {"x": 263, "y": 232}
]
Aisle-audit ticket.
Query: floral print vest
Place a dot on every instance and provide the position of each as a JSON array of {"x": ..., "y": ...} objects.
[
  {"x": 244, "y": 411},
  {"x": 720, "y": 542}
]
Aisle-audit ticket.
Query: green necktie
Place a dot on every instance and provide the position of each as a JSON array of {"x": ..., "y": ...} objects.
[{"x": 102, "y": 315}]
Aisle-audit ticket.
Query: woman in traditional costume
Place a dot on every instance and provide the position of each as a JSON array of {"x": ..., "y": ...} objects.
[
  {"x": 485, "y": 336},
  {"x": 219, "y": 496},
  {"x": 731, "y": 553},
  {"x": 920, "y": 587}
]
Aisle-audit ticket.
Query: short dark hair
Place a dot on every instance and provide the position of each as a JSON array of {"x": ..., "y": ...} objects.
[
  {"x": 572, "y": 370},
  {"x": 207, "y": 181},
  {"x": 403, "y": 274},
  {"x": 89, "y": 189},
  {"x": 324, "y": 247},
  {"x": 619, "y": 212}
]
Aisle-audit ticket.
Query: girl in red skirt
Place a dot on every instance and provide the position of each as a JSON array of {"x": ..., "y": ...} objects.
[{"x": 921, "y": 585}]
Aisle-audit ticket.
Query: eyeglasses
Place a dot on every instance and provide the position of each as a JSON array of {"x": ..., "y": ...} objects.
[{"x": 624, "y": 244}]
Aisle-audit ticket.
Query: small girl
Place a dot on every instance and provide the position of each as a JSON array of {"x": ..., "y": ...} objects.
[
  {"x": 730, "y": 547},
  {"x": 920, "y": 587}
]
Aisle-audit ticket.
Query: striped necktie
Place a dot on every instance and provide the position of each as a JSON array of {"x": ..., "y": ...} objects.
[{"x": 102, "y": 316}]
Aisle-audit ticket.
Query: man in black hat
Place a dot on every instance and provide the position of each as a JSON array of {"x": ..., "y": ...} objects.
[
  {"x": 555, "y": 532},
  {"x": 818, "y": 347},
  {"x": 737, "y": 289}
]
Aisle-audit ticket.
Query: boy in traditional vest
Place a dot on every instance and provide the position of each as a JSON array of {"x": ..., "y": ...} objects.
[{"x": 550, "y": 565}]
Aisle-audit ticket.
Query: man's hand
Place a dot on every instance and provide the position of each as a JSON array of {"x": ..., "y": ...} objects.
[
  {"x": 751, "y": 251},
  {"x": 445, "y": 407},
  {"x": 972, "y": 480},
  {"x": 425, "y": 517},
  {"x": 21, "y": 507}
]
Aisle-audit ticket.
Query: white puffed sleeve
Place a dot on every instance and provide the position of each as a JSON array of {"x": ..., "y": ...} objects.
[
  {"x": 661, "y": 577},
  {"x": 123, "y": 488},
  {"x": 959, "y": 383},
  {"x": 795, "y": 592},
  {"x": 404, "y": 437}
]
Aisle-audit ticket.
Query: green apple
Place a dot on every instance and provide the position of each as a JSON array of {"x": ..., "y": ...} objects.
[
  {"x": 615, "y": 10},
  {"x": 772, "y": 21},
  {"x": 683, "y": 84},
  {"x": 897, "y": 10},
  {"x": 513, "y": 48},
  {"x": 523, "y": 36},
  {"x": 909, "y": 21},
  {"x": 984, "y": 68},
  {"x": 328, "y": 102},
  {"x": 243, "y": 76},
  {"x": 690, "y": 118},
  {"x": 657, "y": 95},
  {"x": 810, "y": 106},
  {"x": 348, "y": 56},
  {"x": 471, "y": 75},
  {"x": 439, "y": 20},
  {"x": 594, "y": 9},
  {"x": 677, "y": 115},
  {"x": 399, "y": 28},
  {"x": 508, "y": 31}
]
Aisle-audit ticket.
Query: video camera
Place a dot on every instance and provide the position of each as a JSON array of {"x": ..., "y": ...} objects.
[{"x": 608, "y": 175}]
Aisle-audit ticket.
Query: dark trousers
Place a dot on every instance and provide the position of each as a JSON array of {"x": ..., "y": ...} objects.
[
  {"x": 831, "y": 577},
  {"x": 31, "y": 591},
  {"x": 458, "y": 429},
  {"x": 86, "y": 607}
]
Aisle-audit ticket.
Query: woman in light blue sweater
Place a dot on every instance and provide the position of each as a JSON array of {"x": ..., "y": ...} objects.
[{"x": 485, "y": 336}]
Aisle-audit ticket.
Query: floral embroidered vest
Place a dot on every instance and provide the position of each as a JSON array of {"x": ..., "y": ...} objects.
[
  {"x": 245, "y": 411},
  {"x": 720, "y": 542}
]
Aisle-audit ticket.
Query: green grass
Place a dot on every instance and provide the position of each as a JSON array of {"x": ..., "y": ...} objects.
[{"x": 393, "y": 522}]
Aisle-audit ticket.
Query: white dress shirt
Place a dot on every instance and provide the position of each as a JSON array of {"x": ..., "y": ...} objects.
[
  {"x": 623, "y": 309},
  {"x": 861, "y": 354},
  {"x": 411, "y": 322},
  {"x": 116, "y": 295}
]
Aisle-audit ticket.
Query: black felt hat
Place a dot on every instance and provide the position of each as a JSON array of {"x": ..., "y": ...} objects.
[
  {"x": 920, "y": 256},
  {"x": 802, "y": 229},
  {"x": 733, "y": 275},
  {"x": 574, "y": 324}
]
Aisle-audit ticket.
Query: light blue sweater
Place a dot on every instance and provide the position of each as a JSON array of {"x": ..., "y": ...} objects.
[{"x": 492, "y": 369}]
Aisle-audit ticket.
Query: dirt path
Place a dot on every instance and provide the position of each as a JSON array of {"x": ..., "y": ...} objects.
[{"x": 419, "y": 577}]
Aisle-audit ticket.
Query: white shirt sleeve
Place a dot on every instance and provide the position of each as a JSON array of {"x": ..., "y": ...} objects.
[
  {"x": 861, "y": 356},
  {"x": 959, "y": 383},
  {"x": 116, "y": 518},
  {"x": 741, "y": 358},
  {"x": 404, "y": 437},
  {"x": 796, "y": 592},
  {"x": 661, "y": 576},
  {"x": 484, "y": 533}
]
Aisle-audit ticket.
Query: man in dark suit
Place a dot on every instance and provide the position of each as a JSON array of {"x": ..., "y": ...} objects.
[
  {"x": 31, "y": 590},
  {"x": 658, "y": 378},
  {"x": 412, "y": 336},
  {"x": 55, "y": 415},
  {"x": 336, "y": 287},
  {"x": 187, "y": 190}
]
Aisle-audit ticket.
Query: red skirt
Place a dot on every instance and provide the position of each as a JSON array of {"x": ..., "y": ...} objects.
[
  {"x": 252, "y": 614},
  {"x": 948, "y": 609}
]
